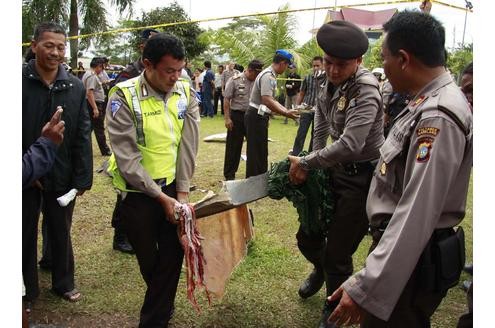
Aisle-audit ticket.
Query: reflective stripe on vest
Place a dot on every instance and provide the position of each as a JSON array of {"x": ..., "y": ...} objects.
[{"x": 138, "y": 116}]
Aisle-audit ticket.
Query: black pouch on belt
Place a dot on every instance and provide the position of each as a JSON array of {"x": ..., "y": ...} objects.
[
  {"x": 450, "y": 258},
  {"x": 441, "y": 262}
]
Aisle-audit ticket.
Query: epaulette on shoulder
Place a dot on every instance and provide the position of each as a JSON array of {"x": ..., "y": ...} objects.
[
  {"x": 453, "y": 103},
  {"x": 127, "y": 83},
  {"x": 367, "y": 78},
  {"x": 236, "y": 76}
]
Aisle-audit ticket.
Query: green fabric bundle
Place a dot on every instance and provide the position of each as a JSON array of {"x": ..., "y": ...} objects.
[{"x": 312, "y": 199}]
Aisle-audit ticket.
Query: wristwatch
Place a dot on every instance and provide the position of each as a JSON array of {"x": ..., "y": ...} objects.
[{"x": 303, "y": 163}]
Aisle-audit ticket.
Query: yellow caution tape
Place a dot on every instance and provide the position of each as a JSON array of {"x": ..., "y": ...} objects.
[{"x": 130, "y": 29}]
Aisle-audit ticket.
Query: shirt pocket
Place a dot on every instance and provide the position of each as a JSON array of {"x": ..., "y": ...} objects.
[
  {"x": 339, "y": 121},
  {"x": 387, "y": 173},
  {"x": 241, "y": 91}
]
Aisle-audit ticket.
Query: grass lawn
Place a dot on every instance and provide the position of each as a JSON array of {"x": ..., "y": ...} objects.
[{"x": 262, "y": 292}]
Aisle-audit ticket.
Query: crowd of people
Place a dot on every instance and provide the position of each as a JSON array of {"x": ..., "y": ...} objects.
[{"x": 406, "y": 184}]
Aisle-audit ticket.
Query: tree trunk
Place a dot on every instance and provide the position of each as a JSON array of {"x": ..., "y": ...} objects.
[{"x": 73, "y": 31}]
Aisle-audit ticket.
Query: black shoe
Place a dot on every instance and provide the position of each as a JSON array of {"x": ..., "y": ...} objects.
[
  {"x": 106, "y": 153},
  {"x": 312, "y": 284},
  {"x": 325, "y": 314},
  {"x": 120, "y": 243}
]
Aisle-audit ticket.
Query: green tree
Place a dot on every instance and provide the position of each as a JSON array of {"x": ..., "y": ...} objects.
[
  {"x": 259, "y": 37},
  {"x": 372, "y": 58},
  {"x": 307, "y": 52},
  {"x": 117, "y": 47},
  {"x": 188, "y": 33},
  {"x": 79, "y": 16},
  {"x": 459, "y": 58}
]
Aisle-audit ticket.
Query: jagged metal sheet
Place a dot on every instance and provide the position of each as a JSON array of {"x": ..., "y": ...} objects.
[
  {"x": 233, "y": 194},
  {"x": 247, "y": 190}
]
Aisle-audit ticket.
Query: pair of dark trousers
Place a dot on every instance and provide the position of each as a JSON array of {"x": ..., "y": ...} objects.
[
  {"x": 158, "y": 251},
  {"x": 305, "y": 121},
  {"x": 233, "y": 146},
  {"x": 257, "y": 142},
  {"x": 98, "y": 125},
  {"x": 218, "y": 96},
  {"x": 348, "y": 227},
  {"x": 58, "y": 222},
  {"x": 414, "y": 307},
  {"x": 207, "y": 103}
]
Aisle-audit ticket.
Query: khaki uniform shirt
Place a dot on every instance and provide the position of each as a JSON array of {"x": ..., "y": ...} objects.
[
  {"x": 91, "y": 81},
  {"x": 386, "y": 91},
  {"x": 122, "y": 135},
  {"x": 264, "y": 85},
  {"x": 226, "y": 75},
  {"x": 353, "y": 117},
  {"x": 420, "y": 184},
  {"x": 237, "y": 91}
]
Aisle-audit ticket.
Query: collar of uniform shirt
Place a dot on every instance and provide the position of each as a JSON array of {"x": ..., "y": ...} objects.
[{"x": 147, "y": 91}]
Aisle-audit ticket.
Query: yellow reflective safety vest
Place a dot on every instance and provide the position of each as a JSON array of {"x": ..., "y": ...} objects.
[{"x": 158, "y": 130}]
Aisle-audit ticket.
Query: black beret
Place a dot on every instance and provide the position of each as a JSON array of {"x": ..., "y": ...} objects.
[{"x": 342, "y": 39}]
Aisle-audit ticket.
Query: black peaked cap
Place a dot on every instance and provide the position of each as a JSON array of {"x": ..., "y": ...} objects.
[{"x": 342, "y": 39}]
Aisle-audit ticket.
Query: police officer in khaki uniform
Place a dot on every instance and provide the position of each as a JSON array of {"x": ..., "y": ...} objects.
[
  {"x": 261, "y": 103},
  {"x": 153, "y": 126},
  {"x": 419, "y": 188},
  {"x": 349, "y": 111},
  {"x": 236, "y": 103}
]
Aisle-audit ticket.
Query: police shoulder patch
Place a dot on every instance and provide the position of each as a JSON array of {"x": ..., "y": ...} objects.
[
  {"x": 181, "y": 108},
  {"x": 422, "y": 131},
  {"x": 115, "y": 106},
  {"x": 425, "y": 146}
]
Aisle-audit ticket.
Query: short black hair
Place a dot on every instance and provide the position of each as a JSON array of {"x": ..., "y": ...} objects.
[
  {"x": 163, "y": 44},
  {"x": 468, "y": 69},
  {"x": 256, "y": 65},
  {"x": 207, "y": 64},
  {"x": 145, "y": 34},
  {"x": 96, "y": 61},
  {"x": 419, "y": 34},
  {"x": 239, "y": 67},
  {"x": 320, "y": 58},
  {"x": 29, "y": 55},
  {"x": 47, "y": 27},
  {"x": 220, "y": 66},
  {"x": 279, "y": 58}
]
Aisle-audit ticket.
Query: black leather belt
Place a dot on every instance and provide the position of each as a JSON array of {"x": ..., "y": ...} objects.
[
  {"x": 358, "y": 167},
  {"x": 438, "y": 234}
]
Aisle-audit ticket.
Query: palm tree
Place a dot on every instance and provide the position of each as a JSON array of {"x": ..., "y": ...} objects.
[
  {"x": 258, "y": 37},
  {"x": 91, "y": 15}
]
